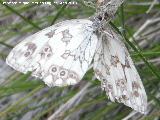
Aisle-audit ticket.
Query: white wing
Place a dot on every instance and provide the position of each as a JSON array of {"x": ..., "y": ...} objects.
[
  {"x": 60, "y": 54},
  {"x": 114, "y": 67}
]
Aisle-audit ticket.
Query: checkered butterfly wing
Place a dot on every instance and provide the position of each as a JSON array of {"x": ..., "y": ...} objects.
[
  {"x": 115, "y": 69},
  {"x": 60, "y": 54}
]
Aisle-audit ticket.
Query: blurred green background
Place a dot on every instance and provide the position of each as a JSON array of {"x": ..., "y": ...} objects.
[{"x": 23, "y": 97}]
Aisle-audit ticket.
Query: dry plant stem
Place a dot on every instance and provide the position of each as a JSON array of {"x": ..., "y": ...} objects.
[
  {"x": 143, "y": 27},
  {"x": 70, "y": 103},
  {"x": 151, "y": 6}
]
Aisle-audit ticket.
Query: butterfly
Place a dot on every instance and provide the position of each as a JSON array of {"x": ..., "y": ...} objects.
[{"x": 61, "y": 54}]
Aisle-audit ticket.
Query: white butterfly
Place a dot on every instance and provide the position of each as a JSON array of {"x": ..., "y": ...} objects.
[{"x": 62, "y": 53}]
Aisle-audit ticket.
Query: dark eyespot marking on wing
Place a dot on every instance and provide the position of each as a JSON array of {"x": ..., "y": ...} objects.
[
  {"x": 62, "y": 73},
  {"x": 53, "y": 69},
  {"x": 46, "y": 51}
]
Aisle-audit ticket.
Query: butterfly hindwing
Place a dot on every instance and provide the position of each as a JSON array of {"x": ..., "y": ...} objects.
[
  {"x": 60, "y": 54},
  {"x": 115, "y": 69}
]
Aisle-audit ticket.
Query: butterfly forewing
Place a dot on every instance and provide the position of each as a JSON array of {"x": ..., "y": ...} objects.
[
  {"x": 60, "y": 54},
  {"x": 114, "y": 67}
]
